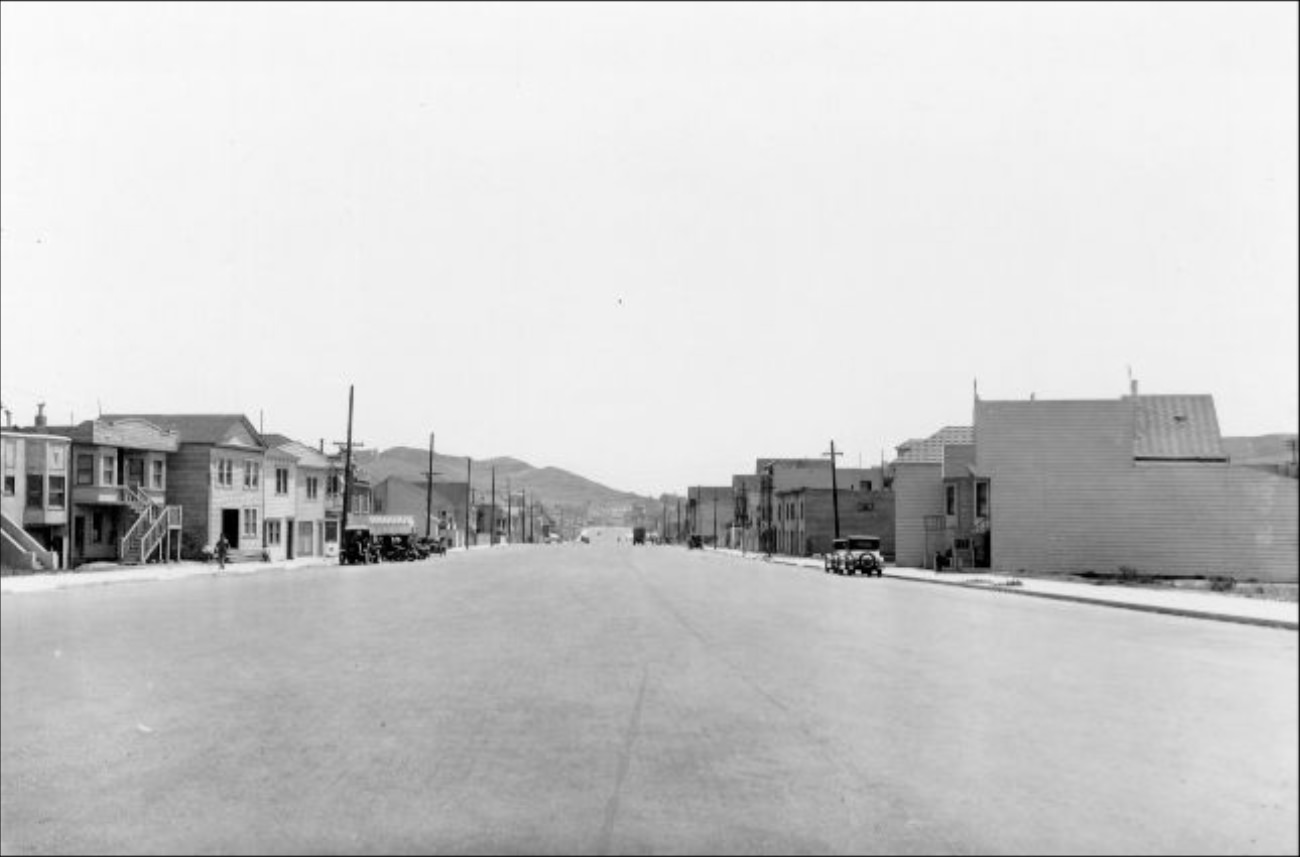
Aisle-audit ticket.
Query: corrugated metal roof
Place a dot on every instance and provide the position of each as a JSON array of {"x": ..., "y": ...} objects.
[{"x": 1177, "y": 427}]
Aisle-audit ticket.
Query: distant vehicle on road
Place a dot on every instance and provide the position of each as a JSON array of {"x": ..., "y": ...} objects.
[
  {"x": 695, "y": 541},
  {"x": 638, "y": 535},
  {"x": 855, "y": 555}
]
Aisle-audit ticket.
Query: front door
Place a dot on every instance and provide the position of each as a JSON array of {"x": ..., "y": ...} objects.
[
  {"x": 230, "y": 526},
  {"x": 288, "y": 538}
]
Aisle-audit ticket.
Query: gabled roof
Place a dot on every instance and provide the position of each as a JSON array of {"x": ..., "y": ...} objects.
[
  {"x": 200, "y": 428},
  {"x": 1176, "y": 427},
  {"x": 306, "y": 456}
]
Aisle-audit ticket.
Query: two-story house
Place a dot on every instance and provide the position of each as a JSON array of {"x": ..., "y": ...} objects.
[
  {"x": 34, "y": 499},
  {"x": 304, "y": 529},
  {"x": 119, "y": 475},
  {"x": 217, "y": 475}
]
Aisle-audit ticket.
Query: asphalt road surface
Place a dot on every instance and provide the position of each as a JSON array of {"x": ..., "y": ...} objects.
[{"x": 607, "y": 698}]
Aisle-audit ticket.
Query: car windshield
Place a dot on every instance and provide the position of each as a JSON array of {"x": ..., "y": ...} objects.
[
  {"x": 839, "y": 544},
  {"x": 864, "y": 544}
]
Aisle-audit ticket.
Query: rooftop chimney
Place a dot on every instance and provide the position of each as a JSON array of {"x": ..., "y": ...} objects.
[
  {"x": 9, "y": 418},
  {"x": 1133, "y": 387},
  {"x": 41, "y": 422}
]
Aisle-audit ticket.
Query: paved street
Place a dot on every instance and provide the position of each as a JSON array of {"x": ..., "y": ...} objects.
[{"x": 604, "y": 698}]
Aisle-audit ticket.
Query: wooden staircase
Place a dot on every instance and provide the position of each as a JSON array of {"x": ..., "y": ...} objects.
[{"x": 155, "y": 527}]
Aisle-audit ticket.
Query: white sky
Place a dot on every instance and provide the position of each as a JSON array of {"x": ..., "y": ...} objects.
[{"x": 821, "y": 221}]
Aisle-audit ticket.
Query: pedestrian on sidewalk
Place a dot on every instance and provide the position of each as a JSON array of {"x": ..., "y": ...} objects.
[{"x": 223, "y": 547}]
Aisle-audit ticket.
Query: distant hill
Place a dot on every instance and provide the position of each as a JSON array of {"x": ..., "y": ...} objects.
[{"x": 548, "y": 485}]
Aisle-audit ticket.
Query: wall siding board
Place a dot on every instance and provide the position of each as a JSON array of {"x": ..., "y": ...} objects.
[{"x": 1067, "y": 497}]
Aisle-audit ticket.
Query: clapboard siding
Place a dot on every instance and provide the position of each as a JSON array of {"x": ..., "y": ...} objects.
[
  {"x": 188, "y": 486},
  {"x": 918, "y": 491},
  {"x": 1068, "y": 497}
]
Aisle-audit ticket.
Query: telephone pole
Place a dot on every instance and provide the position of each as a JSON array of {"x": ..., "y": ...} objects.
[
  {"x": 347, "y": 482},
  {"x": 428, "y": 494},
  {"x": 469, "y": 491},
  {"x": 510, "y": 514},
  {"x": 835, "y": 493},
  {"x": 493, "y": 538},
  {"x": 715, "y": 520}
]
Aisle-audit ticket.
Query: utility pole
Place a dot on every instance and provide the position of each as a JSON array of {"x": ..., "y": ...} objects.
[
  {"x": 493, "y": 539},
  {"x": 428, "y": 494},
  {"x": 677, "y": 531},
  {"x": 347, "y": 482},
  {"x": 510, "y": 514},
  {"x": 469, "y": 491},
  {"x": 835, "y": 493}
]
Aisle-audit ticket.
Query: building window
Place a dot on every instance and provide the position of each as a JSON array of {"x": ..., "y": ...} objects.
[
  {"x": 58, "y": 491},
  {"x": 225, "y": 472},
  {"x": 981, "y": 499},
  {"x": 281, "y": 480},
  {"x": 273, "y": 532},
  {"x": 158, "y": 474},
  {"x": 313, "y": 484},
  {"x": 332, "y": 485},
  {"x": 331, "y": 531},
  {"x": 108, "y": 470},
  {"x": 865, "y": 485},
  {"x": 85, "y": 469},
  {"x": 250, "y": 523},
  {"x": 252, "y": 474},
  {"x": 35, "y": 490},
  {"x": 56, "y": 456},
  {"x": 11, "y": 454},
  {"x": 10, "y": 482},
  {"x": 135, "y": 471},
  {"x": 950, "y": 506}
]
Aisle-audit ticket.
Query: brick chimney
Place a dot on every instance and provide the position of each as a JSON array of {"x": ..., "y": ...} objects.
[
  {"x": 41, "y": 421},
  {"x": 1133, "y": 387}
]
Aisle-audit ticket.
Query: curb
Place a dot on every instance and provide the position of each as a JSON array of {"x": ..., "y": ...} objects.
[
  {"x": 1280, "y": 624},
  {"x": 1141, "y": 608}
]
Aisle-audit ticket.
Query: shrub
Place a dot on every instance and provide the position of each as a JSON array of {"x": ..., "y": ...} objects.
[{"x": 1222, "y": 584}]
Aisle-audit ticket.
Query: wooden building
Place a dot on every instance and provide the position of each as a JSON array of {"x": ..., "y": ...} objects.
[
  {"x": 216, "y": 475},
  {"x": 34, "y": 501},
  {"x": 1139, "y": 483},
  {"x": 120, "y": 507}
]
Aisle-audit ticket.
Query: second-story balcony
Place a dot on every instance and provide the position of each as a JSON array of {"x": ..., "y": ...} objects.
[{"x": 112, "y": 495}]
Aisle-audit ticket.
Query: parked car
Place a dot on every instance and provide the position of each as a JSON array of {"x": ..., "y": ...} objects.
[
  {"x": 695, "y": 541},
  {"x": 855, "y": 555},
  {"x": 429, "y": 545}
]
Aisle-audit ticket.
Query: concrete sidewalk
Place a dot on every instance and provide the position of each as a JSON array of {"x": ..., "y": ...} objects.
[
  {"x": 1197, "y": 604},
  {"x": 104, "y": 573}
]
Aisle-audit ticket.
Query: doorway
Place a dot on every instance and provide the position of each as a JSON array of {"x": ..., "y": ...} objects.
[
  {"x": 288, "y": 538},
  {"x": 230, "y": 526}
]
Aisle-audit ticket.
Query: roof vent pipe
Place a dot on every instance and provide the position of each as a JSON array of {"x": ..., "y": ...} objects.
[
  {"x": 41, "y": 422},
  {"x": 1133, "y": 387}
]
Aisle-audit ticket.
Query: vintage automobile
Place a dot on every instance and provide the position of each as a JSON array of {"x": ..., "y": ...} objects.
[
  {"x": 358, "y": 548},
  {"x": 855, "y": 555},
  {"x": 427, "y": 546}
]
